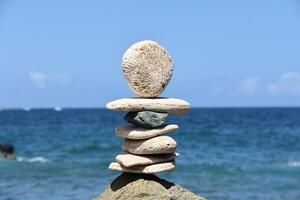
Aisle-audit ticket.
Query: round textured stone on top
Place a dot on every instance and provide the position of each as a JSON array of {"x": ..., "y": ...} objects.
[{"x": 148, "y": 68}]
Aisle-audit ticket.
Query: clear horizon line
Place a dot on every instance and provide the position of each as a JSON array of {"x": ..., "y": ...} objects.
[{"x": 193, "y": 107}]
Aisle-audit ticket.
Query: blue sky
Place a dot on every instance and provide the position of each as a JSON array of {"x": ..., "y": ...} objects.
[{"x": 226, "y": 53}]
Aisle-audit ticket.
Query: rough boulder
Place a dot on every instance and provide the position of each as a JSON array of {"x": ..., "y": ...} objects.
[{"x": 145, "y": 187}]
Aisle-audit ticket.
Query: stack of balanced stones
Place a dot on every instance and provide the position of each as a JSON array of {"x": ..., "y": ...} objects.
[{"x": 147, "y": 149}]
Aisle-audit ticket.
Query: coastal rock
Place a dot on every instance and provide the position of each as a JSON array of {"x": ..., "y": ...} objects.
[
  {"x": 148, "y": 68},
  {"x": 138, "y": 133},
  {"x": 129, "y": 160},
  {"x": 7, "y": 152},
  {"x": 147, "y": 169},
  {"x": 156, "y": 145},
  {"x": 164, "y": 105},
  {"x": 145, "y": 187},
  {"x": 146, "y": 119}
]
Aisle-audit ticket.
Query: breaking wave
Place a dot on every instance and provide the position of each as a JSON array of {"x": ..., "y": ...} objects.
[
  {"x": 37, "y": 159},
  {"x": 294, "y": 163}
]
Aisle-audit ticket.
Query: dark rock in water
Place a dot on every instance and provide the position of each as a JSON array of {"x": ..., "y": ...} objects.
[
  {"x": 145, "y": 187},
  {"x": 146, "y": 119},
  {"x": 7, "y": 152}
]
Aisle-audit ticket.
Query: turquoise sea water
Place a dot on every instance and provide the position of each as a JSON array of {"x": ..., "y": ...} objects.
[{"x": 227, "y": 153}]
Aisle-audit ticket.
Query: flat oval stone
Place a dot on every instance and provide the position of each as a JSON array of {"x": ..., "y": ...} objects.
[
  {"x": 156, "y": 145},
  {"x": 146, "y": 119},
  {"x": 147, "y": 169},
  {"x": 129, "y": 160},
  {"x": 148, "y": 68},
  {"x": 138, "y": 133},
  {"x": 164, "y": 105}
]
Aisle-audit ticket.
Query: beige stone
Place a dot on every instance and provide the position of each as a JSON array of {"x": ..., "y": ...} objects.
[
  {"x": 166, "y": 105},
  {"x": 138, "y": 133},
  {"x": 129, "y": 160},
  {"x": 156, "y": 145},
  {"x": 148, "y": 68},
  {"x": 148, "y": 169}
]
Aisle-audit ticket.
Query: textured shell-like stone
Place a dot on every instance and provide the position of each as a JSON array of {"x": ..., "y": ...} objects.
[{"x": 148, "y": 68}]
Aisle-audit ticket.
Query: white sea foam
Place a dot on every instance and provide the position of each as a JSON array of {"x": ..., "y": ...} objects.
[
  {"x": 294, "y": 163},
  {"x": 38, "y": 159}
]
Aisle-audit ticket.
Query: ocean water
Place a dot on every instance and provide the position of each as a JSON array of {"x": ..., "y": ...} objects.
[{"x": 227, "y": 153}]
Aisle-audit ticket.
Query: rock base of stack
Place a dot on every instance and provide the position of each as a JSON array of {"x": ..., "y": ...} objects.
[{"x": 145, "y": 187}]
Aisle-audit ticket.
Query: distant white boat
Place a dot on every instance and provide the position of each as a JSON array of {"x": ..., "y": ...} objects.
[
  {"x": 27, "y": 109},
  {"x": 58, "y": 109}
]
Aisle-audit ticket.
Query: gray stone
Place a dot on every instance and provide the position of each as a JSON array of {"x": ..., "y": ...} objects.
[
  {"x": 145, "y": 187},
  {"x": 146, "y": 119}
]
